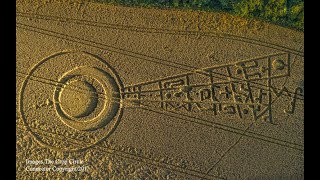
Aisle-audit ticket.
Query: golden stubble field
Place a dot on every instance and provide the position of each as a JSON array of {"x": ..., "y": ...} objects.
[{"x": 110, "y": 92}]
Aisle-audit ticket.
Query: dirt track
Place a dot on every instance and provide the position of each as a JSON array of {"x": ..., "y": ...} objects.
[{"x": 156, "y": 94}]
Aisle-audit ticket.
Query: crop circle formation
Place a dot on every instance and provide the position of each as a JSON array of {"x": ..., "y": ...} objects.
[{"x": 84, "y": 92}]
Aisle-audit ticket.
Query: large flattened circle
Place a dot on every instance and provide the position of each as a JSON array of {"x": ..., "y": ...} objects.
[
  {"x": 77, "y": 104},
  {"x": 73, "y": 95},
  {"x": 85, "y": 98}
]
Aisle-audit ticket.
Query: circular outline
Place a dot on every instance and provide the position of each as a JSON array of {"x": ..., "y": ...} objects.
[
  {"x": 35, "y": 137},
  {"x": 95, "y": 96},
  {"x": 109, "y": 107}
]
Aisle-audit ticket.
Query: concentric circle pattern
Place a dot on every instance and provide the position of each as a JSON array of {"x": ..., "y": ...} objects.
[{"x": 82, "y": 93}]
